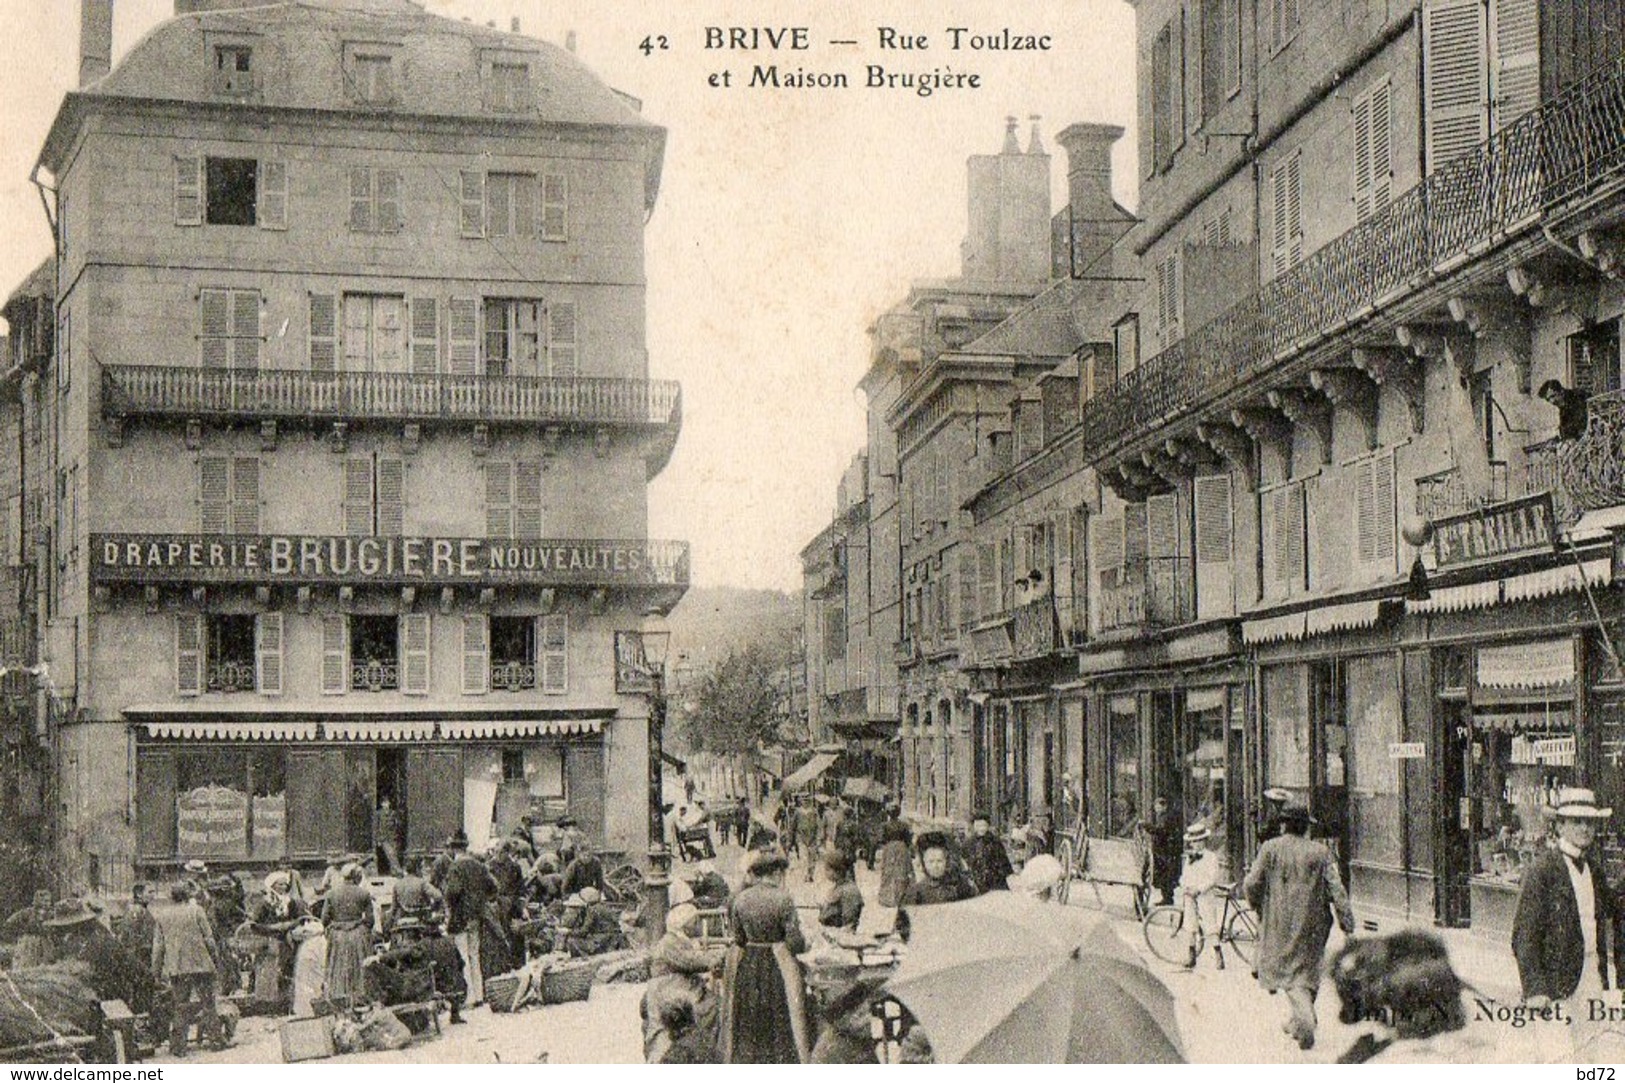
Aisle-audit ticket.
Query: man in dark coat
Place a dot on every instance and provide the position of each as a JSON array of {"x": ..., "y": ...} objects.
[
  {"x": 184, "y": 954},
  {"x": 583, "y": 871},
  {"x": 986, "y": 857},
  {"x": 1565, "y": 910},
  {"x": 1166, "y": 834},
  {"x": 467, "y": 889}
]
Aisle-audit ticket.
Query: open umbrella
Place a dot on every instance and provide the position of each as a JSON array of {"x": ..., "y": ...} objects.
[{"x": 1004, "y": 979}]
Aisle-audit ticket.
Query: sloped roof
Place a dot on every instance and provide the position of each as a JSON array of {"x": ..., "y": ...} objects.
[{"x": 1042, "y": 328}]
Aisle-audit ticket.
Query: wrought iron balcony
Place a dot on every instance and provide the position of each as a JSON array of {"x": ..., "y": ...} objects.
[
  {"x": 1586, "y": 473},
  {"x": 1444, "y": 493},
  {"x": 375, "y": 676},
  {"x": 512, "y": 676},
  {"x": 1033, "y": 629},
  {"x": 1156, "y": 592},
  {"x": 229, "y": 676},
  {"x": 169, "y": 391},
  {"x": 1513, "y": 183}
]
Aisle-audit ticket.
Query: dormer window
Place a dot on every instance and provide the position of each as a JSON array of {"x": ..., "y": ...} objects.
[
  {"x": 369, "y": 74},
  {"x": 234, "y": 69},
  {"x": 507, "y": 85}
]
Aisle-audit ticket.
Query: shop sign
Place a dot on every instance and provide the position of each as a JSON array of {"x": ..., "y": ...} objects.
[
  {"x": 1517, "y": 526},
  {"x": 1555, "y": 751},
  {"x": 271, "y": 558},
  {"x": 1407, "y": 750}
]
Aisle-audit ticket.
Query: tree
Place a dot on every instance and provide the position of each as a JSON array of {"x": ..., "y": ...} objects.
[{"x": 733, "y": 709}]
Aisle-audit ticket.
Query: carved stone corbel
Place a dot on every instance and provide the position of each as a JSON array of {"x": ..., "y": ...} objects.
[
  {"x": 1308, "y": 411},
  {"x": 1266, "y": 427},
  {"x": 1579, "y": 298},
  {"x": 1605, "y": 251},
  {"x": 1489, "y": 318},
  {"x": 1432, "y": 343},
  {"x": 1165, "y": 466},
  {"x": 268, "y": 434},
  {"x": 1234, "y": 446},
  {"x": 1353, "y": 391},
  {"x": 1392, "y": 368}
]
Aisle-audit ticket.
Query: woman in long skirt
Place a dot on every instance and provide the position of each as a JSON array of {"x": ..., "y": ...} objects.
[
  {"x": 348, "y": 917},
  {"x": 764, "y": 1009}
]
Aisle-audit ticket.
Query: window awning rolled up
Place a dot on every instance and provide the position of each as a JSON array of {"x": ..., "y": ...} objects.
[
  {"x": 809, "y": 771},
  {"x": 535, "y": 727}
]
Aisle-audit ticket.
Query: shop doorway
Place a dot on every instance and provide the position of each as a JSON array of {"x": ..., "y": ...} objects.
[
  {"x": 1329, "y": 726},
  {"x": 1455, "y": 838}
]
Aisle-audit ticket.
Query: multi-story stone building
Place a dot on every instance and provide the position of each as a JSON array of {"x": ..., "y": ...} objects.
[{"x": 351, "y": 429}]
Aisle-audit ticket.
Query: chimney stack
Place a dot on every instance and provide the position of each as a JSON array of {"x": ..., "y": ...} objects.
[
  {"x": 570, "y": 40},
  {"x": 1008, "y": 239},
  {"x": 514, "y": 24},
  {"x": 1097, "y": 220},
  {"x": 95, "y": 40}
]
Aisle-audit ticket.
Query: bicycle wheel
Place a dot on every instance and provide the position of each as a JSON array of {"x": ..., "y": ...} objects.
[
  {"x": 1241, "y": 933},
  {"x": 1165, "y": 935},
  {"x": 1069, "y": 863}
]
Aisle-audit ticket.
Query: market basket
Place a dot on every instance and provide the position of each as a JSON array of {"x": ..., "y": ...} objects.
[
  {"x": 502, "y": 990},
  {"x": 569, "y": 981}
]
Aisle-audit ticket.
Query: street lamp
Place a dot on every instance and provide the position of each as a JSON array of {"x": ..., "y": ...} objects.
[{"x": 653, "y": 641}]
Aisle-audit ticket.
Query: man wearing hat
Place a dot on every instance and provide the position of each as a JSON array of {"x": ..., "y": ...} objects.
[
  {"x": 1296, "y": 890},
  {"x": 184, "y": 955},
  {"x": 467, "y": 889},
  {"x": 27, "y": 928},
  {"x": 1200, "y": 875},
  {"x": 1564, "y": 908}
]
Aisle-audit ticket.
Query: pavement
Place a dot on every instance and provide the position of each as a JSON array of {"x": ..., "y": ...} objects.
[{"x": 1224, "y": 1016}]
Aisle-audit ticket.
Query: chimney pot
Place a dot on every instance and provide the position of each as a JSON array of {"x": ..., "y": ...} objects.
[
  {"x": 95, "y": 40},
  {"x": 570, "y": 41},
  {"x": 1010, "y": 144},
  {"x": 1035, "y": 145}
]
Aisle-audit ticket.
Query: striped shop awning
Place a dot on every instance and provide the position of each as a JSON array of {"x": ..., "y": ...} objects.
[
  {"x": 1271, "y": 629},
  {"x": 1563, "y": 579},
  {"x": 368, "y": 730},
  {"x": 537, "y": 727},
  {"x": 219, "y": 730}
]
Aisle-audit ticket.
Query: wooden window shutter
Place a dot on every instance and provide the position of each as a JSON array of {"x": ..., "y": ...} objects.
[
  {"x": 324, "y": 332},
  {"x": 498, "y": 499},
  {"x": 555, "y": 221},
  {"x": 561, "y": 339},
  {"x": 1455, "y": 83},
  {"x": 387, "y": 209},
  {"x": 414, "y": 632},
  {"x": 1296, "y": 526},
  {"x": 358, "y": 495},
  {"x": 189, "y": 638},
  {"x": 268, "y": 654},
  {"x": 1162, "y": 110},
  {"x": 463, "y": 336},
  {"x": 391, "y": 497},
  {"x": 215, "y": 313},
  {"x": 1136, "y": 535},
  {"x": 968, "y": 583},
  {"x": 245, "y": 495},
  {"x": 584, "y": 788},
  {"x": 553, "y": 645},
  {"x": 1365, "y": 511},
  {"x": 526, "y": 195},
  {"x": 155, "y": 812},
  {"x": 1176, "y": 80},
  {"x": 987, "y": 585},
  {"x": 476, "y": 654},
  {"x": 271, "y": 210},
  {"x": 1514, "y": 36},
  {"x": 335, "y": 654},
  {"x": 214, "y": 494},
  {"x": 1109, "y": 544},
  {"x": 1362, "y": 157},
  {"x": 1382, "y": 146},
  {"x": 1007, "y": 574},
  {"x": 1385, "y": 549},
  {"x": 434, "y": 796},
  {"x": 1162, "y": 527},
  {"x": 1214, "y": 545},
  {"x": 424, "y": 326},
  {"x": 245, "y": 329},
  {"x": 361, "y": 217},
  {"x": 188, "y": 190},
  {"x": 472, "y": 218},
  {"x": 1061, "y": 570},
  {"x": 527, "y": 499}
]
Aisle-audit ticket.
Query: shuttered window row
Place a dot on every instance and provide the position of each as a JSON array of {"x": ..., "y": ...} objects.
[
  {"x": 387, "y": 333},
  {"x": 192, "y": 654},
  {"x": 1286, "y": 213},
  {"x": 1374, "y": 514},
  {"x": 513, "y": 499},
  {"x": 374, "y": 496},
  {"x": 1285, "y": 547},
  {"x": 229, "y": 494},
  {"x": 1481, "y": 71},
  {"x": 497, "y": 204},
  {"x": 242, "y": 192},
  {"x": 229, "y": 328}
]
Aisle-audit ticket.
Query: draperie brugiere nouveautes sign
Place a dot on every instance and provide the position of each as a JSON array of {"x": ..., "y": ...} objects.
[{"x": 304, "y": 558}]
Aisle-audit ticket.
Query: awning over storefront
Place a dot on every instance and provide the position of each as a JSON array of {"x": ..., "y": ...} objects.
[
  {"x": 359, "y": 730},
  {"x": 537, "y": 727},
  {"x": 1272, "y": 629},
  {"x": 233, "y": 731},
  {"x": 866, "y": 789},
  {"x": 1517, "y": 588},
  {"x": 810, "y": 770},
  {"x": 1342, "y": 618}
]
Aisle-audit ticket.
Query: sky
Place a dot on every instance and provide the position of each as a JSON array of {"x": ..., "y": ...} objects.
[{"x": 787, "y": 218}]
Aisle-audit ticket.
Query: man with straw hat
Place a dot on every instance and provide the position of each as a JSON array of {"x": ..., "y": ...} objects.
[{"x": 1564, "y": 908}]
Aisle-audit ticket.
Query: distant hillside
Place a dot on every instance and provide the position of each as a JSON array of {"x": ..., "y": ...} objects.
[{"x": 711, "y": 621}]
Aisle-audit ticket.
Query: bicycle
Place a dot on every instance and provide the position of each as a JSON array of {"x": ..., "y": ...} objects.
[{"x": 1165, "y": 934}]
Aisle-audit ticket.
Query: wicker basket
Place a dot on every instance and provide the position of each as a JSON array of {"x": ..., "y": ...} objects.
[
  {"x": 569, "y": 981},
  {"x": 501, "y": 990}
]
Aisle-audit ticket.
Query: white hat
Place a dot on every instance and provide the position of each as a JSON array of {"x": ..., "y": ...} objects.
[
  {"x": 1578, "y": 803},
  {"x": 1041, "y": 873},
  {"x": 1197, "y": 832}
]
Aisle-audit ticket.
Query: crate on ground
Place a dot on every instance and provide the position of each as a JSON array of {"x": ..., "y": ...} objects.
[{"x": 306, "y": 1039}]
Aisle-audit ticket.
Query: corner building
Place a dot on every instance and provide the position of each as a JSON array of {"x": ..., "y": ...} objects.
[{"x": 352, "y": 434}]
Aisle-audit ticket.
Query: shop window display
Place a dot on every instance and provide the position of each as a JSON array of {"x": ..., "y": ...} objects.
[
  {"x": 1520, "y": 760},
  {"x": 1123, "y": 757}
]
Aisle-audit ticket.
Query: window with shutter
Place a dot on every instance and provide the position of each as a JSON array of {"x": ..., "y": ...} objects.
[
  {"x": 476, "y": 654},
  {"x": 271, "y": 208},
  {"x": 214, "y": 494},
  {"x": 1214, "y": 545},
  {"x": 335, "y": 654},
  {"x": 361, "y": 217},
  {"x": 499, "y": 508},
  {"x": 245, "y": 494},
  {"x": 188, "y": 190},
  {"x": 324, "y": 332},
  {"x": 561, "y": 339},
  {"x": 1136, "y": 536},
  {"x": 391, "y": 488},
  {"x": 414, "y": 630},
  {"x": 463, "y": 336},
  {"x": 987, "y": 579},
  {"x": 1108, "y": 556},
  {"x": 245, "y": 329},
  {"x": 472, "y": 192},
  {"x": 387, "y": 201},
  {"x": 1374, "y": 513},
  {"x": 1286, "y": 223},
  {"x": 1293, "y": 533},
  {"x": 555, "y": 220},
  {"x": 553, "y": 643},
  {"x": 1514, "y": 36},
  {"x": 424, "y": 344},
  {"x": 215, "y": 314},
  {"x": 1007, "y": 574},
  {"x": 1373, "y": 156},
  {"x": 1284, "y": 19},
  {"x": 511, "y": 203},
  {"x": 1162, "y": 101},
  {"x": 527, "y": 499},
  {"x": 1168, "y": 299},
  {"x": 188, "y": 654},
  {"x": 268, "y": 654},
  {"x": 1455, "y": 81},
  {"x": 358, "y": 494},
  {"x": 1386, "y": 548},
  {"x": 969, "y": 583}
]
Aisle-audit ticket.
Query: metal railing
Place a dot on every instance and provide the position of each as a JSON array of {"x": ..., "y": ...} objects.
[
  {"x": 512, "y": 676},
  {"x": 172, "y": 390},
  {"x": 1445, "y": 493},
  {"x": 1552, "y": 155},
  {"x": 1156, "y": 592},
  {"x": 1585, "y": 473},
  {"x": 1033, "y": 630},
  {"x": 375, "y": 676},
  {"x": 229, "y": 677}
]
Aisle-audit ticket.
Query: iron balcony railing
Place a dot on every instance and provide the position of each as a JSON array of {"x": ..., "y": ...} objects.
[
  {"x": 229, "y": 677},
  {"x": 1445, "y": 493},
  {"x": 1588, "y": 472},
  {"x": 512, "y": 676},
  {"x": 1565, "y": 149},
  {"x": 1155, "y": 592},
  {"x": 191, "y": 392},
  {"x": 375, "y": 676},
  {"x": 1034, "y": 628}
]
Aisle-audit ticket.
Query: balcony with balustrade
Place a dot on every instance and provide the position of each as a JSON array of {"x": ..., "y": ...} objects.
[
  {"x": 1498, "y": 208},
  {"x": 1033, "y": 629},
  {"x": 1587, "y": 473},
  {"x": 573, "y": 402},
  {"x": 1146, "y": 595}
]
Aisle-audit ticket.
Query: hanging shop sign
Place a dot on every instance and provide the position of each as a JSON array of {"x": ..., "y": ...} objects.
[
  {"x": 633, "y": 674},
  {"x": 1501, "y": 530},
  {"x": 272, "y": 558},
  {"x": 1407, "y": 750}
]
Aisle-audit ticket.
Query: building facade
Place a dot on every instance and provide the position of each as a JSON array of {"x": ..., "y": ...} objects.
[{"x": 352, "y": 432}]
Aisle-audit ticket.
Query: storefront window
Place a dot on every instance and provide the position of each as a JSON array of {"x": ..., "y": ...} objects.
[
  {"x": 1123, "y": 763},
  {"x": 1202, "y": 757},
  {"x": 1372, "y": 696},
  {"x": 1286, "y": 727},
  {"x": 229, "y": 802}
]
